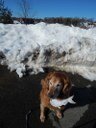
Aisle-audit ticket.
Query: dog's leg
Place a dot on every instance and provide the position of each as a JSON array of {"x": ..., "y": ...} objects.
[
  {"x": 56, "y": 110},
  {"x": 42, "y": 115},
  {"x": 59, "y": 114}
]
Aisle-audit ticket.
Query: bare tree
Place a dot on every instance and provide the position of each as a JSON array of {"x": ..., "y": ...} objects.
[{"x": 25, "y": 7}]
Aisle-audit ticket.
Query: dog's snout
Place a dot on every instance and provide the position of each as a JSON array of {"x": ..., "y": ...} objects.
[
  {"x": 53, "y": 95},
  {"x": 50, "y": 95}
]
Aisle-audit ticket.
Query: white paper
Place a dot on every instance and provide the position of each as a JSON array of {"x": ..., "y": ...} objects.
[{"x": 58, "y": 103}]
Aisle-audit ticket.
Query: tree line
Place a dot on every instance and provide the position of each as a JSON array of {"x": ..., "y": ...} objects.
[
  {"x": 5, "y": 13},
  {"x": 67, "y": 20}
]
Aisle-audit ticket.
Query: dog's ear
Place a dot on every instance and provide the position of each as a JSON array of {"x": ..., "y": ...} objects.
[
  {"x": 67, "y": 86},
  {"x": 48, "y": 77},
  {"x": 43, "y": 83}
]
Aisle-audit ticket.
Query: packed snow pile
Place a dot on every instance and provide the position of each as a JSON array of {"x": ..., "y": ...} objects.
[{"x": 30, "y": 48}]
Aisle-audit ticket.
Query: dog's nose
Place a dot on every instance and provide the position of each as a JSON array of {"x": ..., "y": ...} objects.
[{"x": 50, "y": 95}]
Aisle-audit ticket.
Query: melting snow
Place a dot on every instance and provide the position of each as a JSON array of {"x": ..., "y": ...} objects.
[{"x": 33, "y": 47}]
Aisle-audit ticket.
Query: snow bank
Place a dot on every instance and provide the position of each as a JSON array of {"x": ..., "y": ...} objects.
[{"x": 32, "y": 47}]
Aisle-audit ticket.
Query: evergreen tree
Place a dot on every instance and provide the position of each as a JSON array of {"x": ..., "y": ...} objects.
[{"x": 5, "y": 13}]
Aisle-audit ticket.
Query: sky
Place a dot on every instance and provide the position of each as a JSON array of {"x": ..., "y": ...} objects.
[{"x": 56, "y": 8}]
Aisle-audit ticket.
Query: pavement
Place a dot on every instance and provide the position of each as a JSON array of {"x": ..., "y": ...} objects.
[{"x": 19, "y": 103}]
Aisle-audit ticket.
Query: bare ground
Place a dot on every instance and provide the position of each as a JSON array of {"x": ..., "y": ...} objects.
[{"x": 19, "y": 103}]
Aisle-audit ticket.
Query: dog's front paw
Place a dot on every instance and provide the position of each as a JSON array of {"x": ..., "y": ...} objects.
[
  {"x": 42, "y": 118},
  {"x": 59, "y": 114}
]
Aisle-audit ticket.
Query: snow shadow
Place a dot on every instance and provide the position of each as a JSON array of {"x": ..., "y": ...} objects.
[
  {"x": 83, "y": 96},
  {"x": 84, "y": 91}
]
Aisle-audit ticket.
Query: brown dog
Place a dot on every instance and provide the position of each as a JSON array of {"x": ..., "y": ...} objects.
[{"x": 56, "y": 85}]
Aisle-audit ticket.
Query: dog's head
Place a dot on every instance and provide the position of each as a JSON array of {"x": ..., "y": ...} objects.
[{"x": 56, "y": 83}]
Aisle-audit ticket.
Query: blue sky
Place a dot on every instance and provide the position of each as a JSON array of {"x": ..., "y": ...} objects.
[{"x": 57, "y": 8}]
